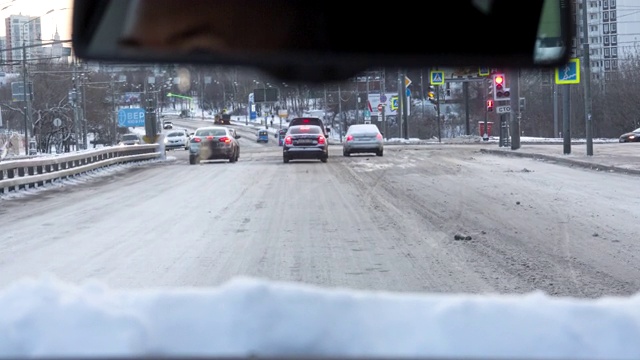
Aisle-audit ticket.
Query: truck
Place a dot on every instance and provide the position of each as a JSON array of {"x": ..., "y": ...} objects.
[{"x": 222, "y": 119}]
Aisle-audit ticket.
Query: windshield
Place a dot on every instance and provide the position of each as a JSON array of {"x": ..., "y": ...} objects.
[{"x": 490, "y": 191}]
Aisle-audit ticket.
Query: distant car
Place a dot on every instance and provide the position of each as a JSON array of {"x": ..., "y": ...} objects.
[
  {"x": 305, "y": 142},
  {"x": 167, "y": 125},
  {"x": 363, "y": 138},
  {"x": 263, "y": 136},
  {"x": 633, "y": 136},
  {"x": 214, "y": 143},
  {"x": 130, "y": 139},
  {"x": 280, "y": 135},
  {"x": 175, "y": 139},
  {"x": 310, "y": 121}
]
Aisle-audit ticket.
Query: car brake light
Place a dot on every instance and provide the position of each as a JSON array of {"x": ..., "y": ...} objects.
[
  {"x": 224, "y": 139},
  {"x": 197, "y": 140},
  {"x": 288, "y": 140},
  {"x": 379, "y": 136},
  {"x": 349, "y": 137},
  {"x": 321, "y": 140}
]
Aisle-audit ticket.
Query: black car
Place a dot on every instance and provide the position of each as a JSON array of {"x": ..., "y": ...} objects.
[
  {"x": 305, "y": 142},
  {"x": 633, "y": 136}
]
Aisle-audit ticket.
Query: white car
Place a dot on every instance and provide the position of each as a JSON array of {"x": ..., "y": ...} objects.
[{"x": 176, "y": 139}]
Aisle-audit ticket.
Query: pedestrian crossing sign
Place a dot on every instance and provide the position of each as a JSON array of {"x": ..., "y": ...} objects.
[{"x": 437, "y": 77}]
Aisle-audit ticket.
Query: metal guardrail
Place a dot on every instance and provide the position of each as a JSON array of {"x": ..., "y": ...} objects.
[{"x": 34, "y": 172}]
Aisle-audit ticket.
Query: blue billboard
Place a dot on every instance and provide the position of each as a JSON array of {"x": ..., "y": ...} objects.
[
  {"x": 131, "y": 117},
  {"x": 252, "y": 108}
]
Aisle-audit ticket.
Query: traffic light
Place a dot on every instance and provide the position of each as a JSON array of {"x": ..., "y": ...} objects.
[
  {"x": 489, "y": 105},
  {"x": 500, "y": 90},
  {"x": 431, "y": 95}
]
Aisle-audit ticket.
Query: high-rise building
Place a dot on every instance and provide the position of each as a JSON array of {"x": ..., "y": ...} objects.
[
  {"x": 613, "y": 31},
  {"x": 3, "y": 54},
  {"x": 22, "y": 30}
]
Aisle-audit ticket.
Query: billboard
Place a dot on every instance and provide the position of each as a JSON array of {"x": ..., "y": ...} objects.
[
  {"x": 131, "y": 117},
  {"x": 265, "y": 95}
]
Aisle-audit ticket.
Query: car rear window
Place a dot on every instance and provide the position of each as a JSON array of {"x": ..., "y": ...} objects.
[
  {"x": 306, "y": 121},
  {"x": 361, "y": 129},
  {"x": 295, "y": 130},
  {"x": 130, "y": 137},
  {"x": 174, "y": 134},
  {"x": 211, "y": 132}
]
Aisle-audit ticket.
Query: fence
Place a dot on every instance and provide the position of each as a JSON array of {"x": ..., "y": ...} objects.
[{"x": 35, "y": 172}]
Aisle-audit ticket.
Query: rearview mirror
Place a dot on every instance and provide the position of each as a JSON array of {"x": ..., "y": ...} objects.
[
  {"x": 308, "y": 40},
  {"x": 238, "y": 136}
]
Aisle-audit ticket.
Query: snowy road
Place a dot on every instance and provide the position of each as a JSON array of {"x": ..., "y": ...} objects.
[{"x": 361, "y": 222}]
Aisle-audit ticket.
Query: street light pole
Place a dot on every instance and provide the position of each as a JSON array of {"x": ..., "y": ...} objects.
[{"x": 26, "y": 101}]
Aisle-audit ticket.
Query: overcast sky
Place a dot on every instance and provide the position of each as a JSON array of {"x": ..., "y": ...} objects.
[{"x": 61, "y": 18}]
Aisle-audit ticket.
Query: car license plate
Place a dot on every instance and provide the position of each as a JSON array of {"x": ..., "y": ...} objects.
[{"x": 305, "y": 141}]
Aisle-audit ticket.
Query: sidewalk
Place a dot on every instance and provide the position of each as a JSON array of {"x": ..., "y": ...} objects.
[{"x": 616, "y": 157}]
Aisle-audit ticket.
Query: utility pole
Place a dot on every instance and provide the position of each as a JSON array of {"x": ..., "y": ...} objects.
[
  {"x": 465, "y": 90},
  {"x": 76, "y": 119},
  {"x": 384, "y": 110},
  {"x": 405, "y": 105},
  {"x": 400, "y": 111},
  {"x": 586, "y": 68},
  {"x": 515, "y": 114},
  {"x": 566, "y": 120},
  {"x": 26, "y": 99},
  {"x": 556, "y": 129},
  {"x": 438, "y": 112},
  {"x": 85, "y": 123},
  {"x": 113, "y": 110},
  {"x": 342, "y": 123},
  {"x": 423, "y": 98}
]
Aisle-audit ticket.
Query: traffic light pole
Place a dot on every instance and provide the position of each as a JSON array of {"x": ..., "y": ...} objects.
[
  {"x": 515, "y": 113},
  {"x": 586, "y": 66},
  {"x": 438, "y": 112}
]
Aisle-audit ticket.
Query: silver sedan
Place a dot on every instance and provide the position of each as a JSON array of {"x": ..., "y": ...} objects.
[{"x": 363, "y": 138}]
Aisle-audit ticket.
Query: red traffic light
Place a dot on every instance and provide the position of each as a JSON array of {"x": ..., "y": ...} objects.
[{"x": 489, "y": 105}]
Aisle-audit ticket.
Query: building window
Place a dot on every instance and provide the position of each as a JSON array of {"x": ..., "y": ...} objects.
[
  {"x": 612, "y": 15},
  {"x": 593, "y": 16},
  {"x": 614, "y": 64},
  {"x": 614, "y": 52},
  {"x": 607, "y": 66},
  {"x": 605, "y": 28},
  {"x": 607, "y": 53},
  {"x": 614, "y": 28},
  {"x": 606, "y": 40},
  {"x": 614, "y": 39},
  {"x": 605, "y": 5},
  {"x": 605, "y": 16},
  {"x": 613, "y": 4}
]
